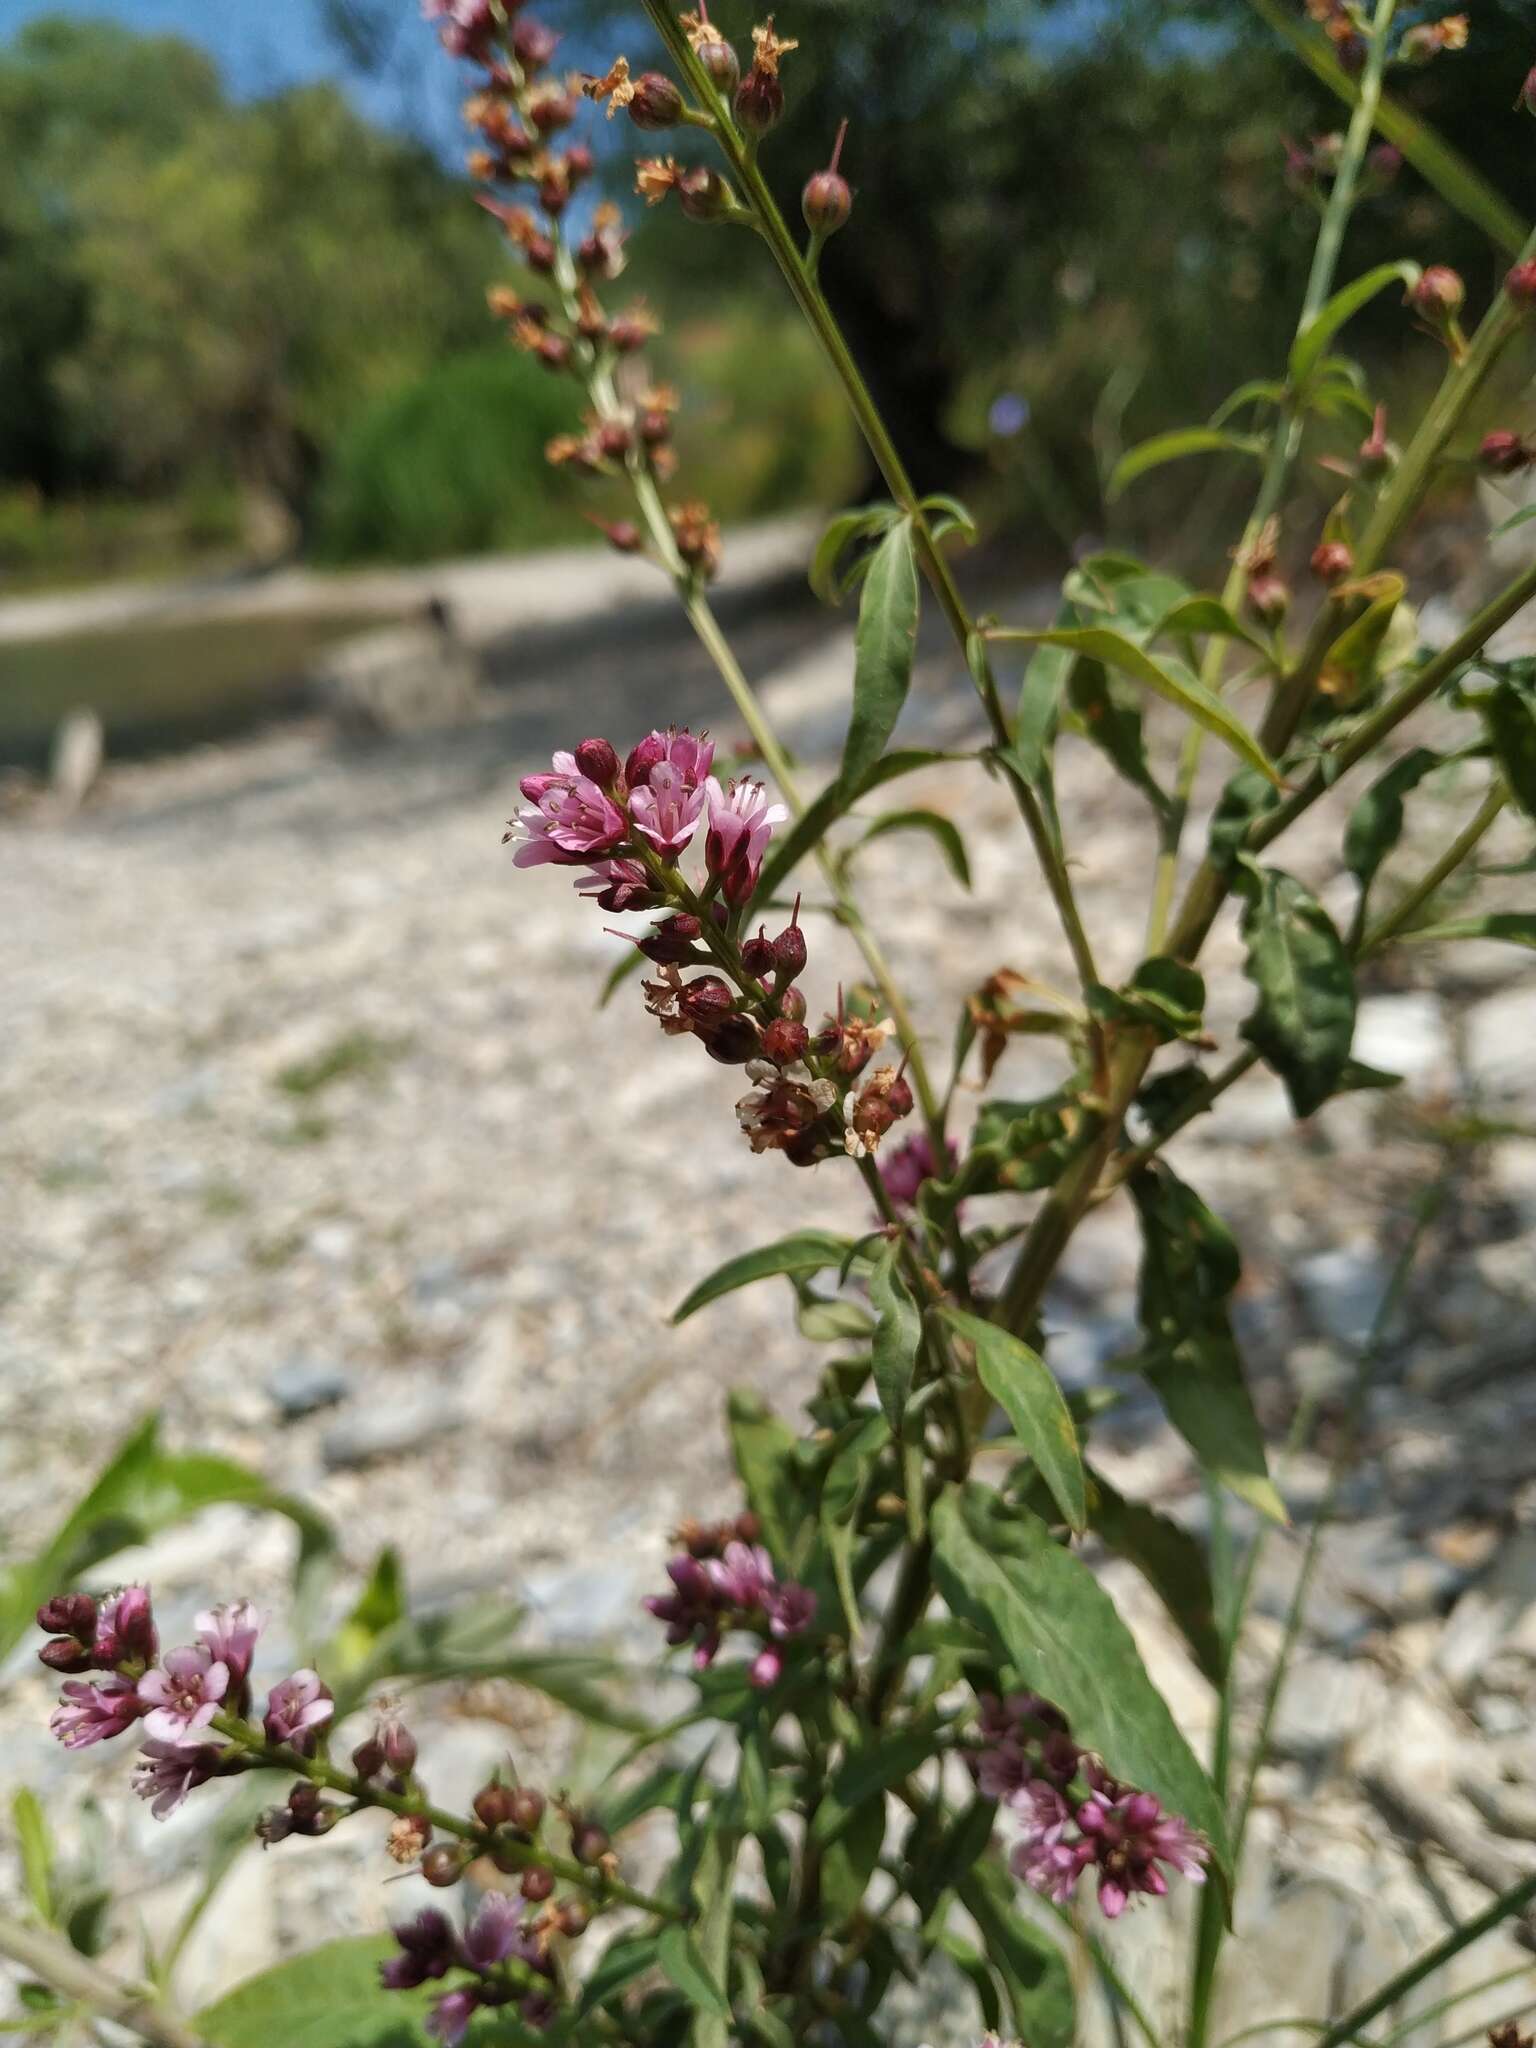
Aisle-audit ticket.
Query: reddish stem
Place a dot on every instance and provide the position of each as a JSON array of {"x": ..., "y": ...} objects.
[{"x": 837, "y": 147}]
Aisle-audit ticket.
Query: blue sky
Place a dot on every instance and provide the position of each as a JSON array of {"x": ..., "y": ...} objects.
[{"x": 262, "y": 45}]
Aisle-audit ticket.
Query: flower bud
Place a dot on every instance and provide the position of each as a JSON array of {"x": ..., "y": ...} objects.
[
  {"x": 674, "y": 942},
  {"x": 527, "y": 1809},
  {"x": 1332, "y": 560},
  {"x": 598, "y": 762},
  {"x": 1521, "y": 284},
  {"x": 704, "y": 195},
  {"x": 68, "y": 1614},
  {"x": 792, "y": 1005},
  {"x": 537, "y": 1885},
  {"x": 580, "y": 163},
  {"x": 368, "y": 1757},
  {"x": 722, "y": 64},
  {"x": 789, "y": 954},
  {"x": 758, "y": 956},
  {"x": 826, "y": 203},
  {"x": 65, "y": 1654},
  {"x": 551, "y": 112},
  {"x": 554, "y": 351},
  {"x": 1504, "y": 453},
  {"x": 759, "y": 101},
  {"x": 615, "y": 441},
  {"x": 590, "y": 1843},
  {"x": 274, "y": 1824},
  {"x": 784, "y": 1041},
  {"x": 442, "y": 1866},
  {"x": 1270, "y": 596},
  {"x": 539, "y": 254},
  {"x": 657, "y": 103},
  {"x": 704, "y": 1001},
  {"x": 624, "y": 537},
  {"x": 1439, "y": 294},
  {"x": 732, "y": 1042},
  {"x": 493, "y": 1805},
  {"x": 532, "y": 43},
  {"x": 654, "y": 428},
  {"x": 399, "y": 1746},
  {"x": 627, "y": 335},
  {"x": 808, "y": 1147},
  {"x": 1375, "y": 457},
  {"x": 574, "y": 1916}
]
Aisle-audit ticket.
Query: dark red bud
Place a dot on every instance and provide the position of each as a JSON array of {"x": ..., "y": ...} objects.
[
  {"x": 749, "y": 1527},
  {"x": 68, "y": 1614},
  {"x": 590, "y": 1843},
  {"x": 657, "y": 102},
  {"x": 304, "y": 1800},
  {"x": 724, "y": 66},
  {"x": 554, "y": 351},
  {"x": 733, "y": 1041},
  {"x": 655, "y": 428},
  {"x": 598, "y": 762},
  {"x": 615, "y": 440},
  {"x": 826, "y": 203},
  {"x": 808, "y": 1148},
  {"x": 579, "y": 163},
  {"x": 624, "y": 536},
  {"x": 442, "y": 1866},
  {"x": 828, "y": 1041},
  {"x": 899, "y": 1097},
  {"x": 628, "y": 336},
  {"x": 65, "y": 1654},
  {"x": 704, "y": 1000},
  {"x": 539, "y": 254},
  {"x": 532, "y": 43},
  {"x": 1270, "y": 596},
  {"x": 758, "y": 956},
  {"x": 1332, "y": 560},
  {"x": 784, "y": 1041},
  {"x": 704, "y": 195},
  {"x": 759, "y": 102},
  {"x": 1504, "y": 453},
  {"x": 527, "y": 1809},
  {"x": 368, "y": 1757},
  {"x": 574, "y": 1917},
  {"x": 1521, "y": 284},
  {"x": 399, "y": 1748},
  {"x": 556, "y": 111},
  {"x": 537, "y": 1885},
  {"x": 493, "y": 1805},
  {"x": 792, "y": 1005},
  {"x": 1439, "y": 293},
  {"x": 789, "y": 953}
]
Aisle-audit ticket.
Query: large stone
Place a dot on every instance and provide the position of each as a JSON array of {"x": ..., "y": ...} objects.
[
  {"x": 79, "y": 749},
  {"x": 389, "y": 1428},
  {"x": 399, "y": 679},
  {"x": 301, "y": 1385},
  {"x": 1324, "y": 1704},
  {"x": 1501, "y": 1044},
  {"x": 1407, "y": 1034},
  {"x": 1499, "y": 1611}
]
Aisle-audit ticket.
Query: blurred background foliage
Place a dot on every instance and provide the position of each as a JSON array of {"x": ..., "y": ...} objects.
[{"x": 228, "y": 320}]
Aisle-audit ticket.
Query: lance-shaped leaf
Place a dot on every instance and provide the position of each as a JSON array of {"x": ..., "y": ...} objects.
[
  {"x": 1031, "y": 1966},
  {"x": 941, "y": 830},
  {"x": 1311, "y": 344},
  {"x": 1174, "y": 447},
  {"x": 764, "y": 1450},
  {"x": 1170, "y": 1560},
  {"x": 898, "y": 1332},
  {"x": 834, "y": 568},
  {"x": 1024, "y": 1387},
  {"x": 1163, "y": 995},
  {"x": 1167, "y": 679},
  {"x": 1514, "y": 927},
  {"x": 884, "y": 648},
  {"x": 328, "y": 1997},
  {"x": 1304, "y": 1022},
  {"x": 621, "y": 971},
  {"x": 1208, "y": 615},
  {"x": 682, "y": 1960},
  {"x": 1058, "y": 1633},
  {"x": 1509, "y": 712},
  {"x": 1190, "y": 1265},
  {"x": 806, "y": 1251},
  {"x": 1521, "y": 518},
  {"x": 1376, "y": 823}
]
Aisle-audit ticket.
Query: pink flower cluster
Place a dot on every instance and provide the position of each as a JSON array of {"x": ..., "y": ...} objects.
[
  {"x": 177, "y": 1697},
  {"x": 723, "y": 1579},
  {"x": 430, "y": 1948},
  {"x": 616, "y": 819},
  {"x": 1031, "y": 1765}
]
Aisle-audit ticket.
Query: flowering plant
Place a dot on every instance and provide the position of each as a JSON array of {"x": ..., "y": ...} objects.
[{"x": 930, "y": 1727}]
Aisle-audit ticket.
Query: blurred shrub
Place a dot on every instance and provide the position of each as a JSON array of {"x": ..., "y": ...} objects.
[{"x": 51, "y": 540}]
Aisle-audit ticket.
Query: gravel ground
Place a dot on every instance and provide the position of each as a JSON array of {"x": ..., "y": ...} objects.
[{"x": 312, "y": 1139}]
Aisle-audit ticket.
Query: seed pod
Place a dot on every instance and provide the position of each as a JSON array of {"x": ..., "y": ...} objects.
[
  {"x": 1439, "y": 294},
  {"x": 1332, "y": 560},
  {"x": 826, "y": 203},
  {"x": 792, "y": 1005},
  {"x": 527, "y": 1809},
  {"x": 784, "y": 1041},
  {"x": 758, "y": 956},
  {"x": 731, "y": 1042},
  {"x": 493, "y": 1805},
  {"x": 789, "y": 953},
  {"x": 590, "y": 1843},
  {"x": 704, "y": 195},
  {"x": 573, "y": 1918},
  {"x": 759, "y": 102},
  {"x": 368, "y": 1757},
  {"x": 657, "y": 103},
  {"x": 1504, "y": 453},
  {"x": 442, "y": 1866},
  {"x": 722, "y": 64},
  {"x": 537, "y": 1885},
  {"x": 1521, "y": 284},
  {"x": 399, "y": 1747}
]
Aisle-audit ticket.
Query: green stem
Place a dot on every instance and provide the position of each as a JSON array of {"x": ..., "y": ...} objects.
[
  {"x": 58, "y": 1963},
  {"x": 823, "y": 324},
  {"x": 280, "y": 1757},
  {"x": 1386, "y": 929},
  {"x": 1507, "y": 1903}
]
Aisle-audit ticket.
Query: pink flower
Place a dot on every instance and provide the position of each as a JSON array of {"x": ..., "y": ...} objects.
[
  {"x": 467, "y": 25},
  {"x": 496, "y": 1934},
  {"x": 571, "y": 819},
  {"x": 167, "y": 1771},
  {"x": 229, "y": 1635},
  {"x": 667, "y": 810},
  {"x": 767, "y": 1667},
  {"x": 451, "y": 2014},
  {"x": 296, "y": 1708},
  {"x": 742, "y": 1575},
  {"x": 618, "y": 885},
  {"x": 428, "y": 1949},
  {"x": 677, "y": 746},
  {"x": 125, "y": 1630},
  {"x": 791, "y": 1609},
  {"x": 95, "y": 1713},
  {"x": 183, "y": 1696},
  {"x": 1051, "y": 1865},
  {"x": 741, "y": 823},
  {"x": 904, "y": 1170},
  {"x": 1130, "y": 1836}
]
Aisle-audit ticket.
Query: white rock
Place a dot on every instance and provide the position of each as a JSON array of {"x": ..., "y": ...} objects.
[
  {"x": 1324, "y": 1705},
  {"x": 1501, "y": 1043},
  {"x": 1410, "y": 1035},
  {"x": 1344, "y": 1289}
]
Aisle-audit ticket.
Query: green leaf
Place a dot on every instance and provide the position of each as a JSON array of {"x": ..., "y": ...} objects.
[
  {"x": 1109, "y": 716},
  {"x": 1261, "y": 391},
  {"x": 1304, "y": 1022},
  {"x": 143, "y": 1490},
  {"x": 1509, "y": 712},
  {"x": 1245, "y": 799},
  {"x": 329, "y": 1997},
  {"x": 946, "y": 515},
  {"x": 1311, "y": 344},
  {"x": 1509, "y": 525},
  {"x": 1376, "y": 823},
  {"x": 807, "y": 1251},
  {"x": 866, "y": 1775},
  {"x": 1023, "y": 1386},
  {"x": 1208, "y": 615},
  {"x": 477, "y": 1642},
  {"x": 824, "y": 1321},
  {"x": 623, "y": 970},
  {"x": 1163, "y": 995},
  {"x": 764, "y": 1450},
  {"x": 951, "y": 845},
  {"x": 1171, "y": 680},
  {"x": 812, "y": 826},
  {"x": 379, "y": 1607},
  {"x": 1351, "y": 663},
  {"x": 1040, "y": 695},
  {"x": 897, "y": 1333},
  {"x": 884, "y": 647},
  {"x": 35, "y": 1842},
  {"x": 849, "y": 1860},
  {"x": 682, "y": 1960},
  {"x": 1032, "y": 1968},
  {"x": 1170, "y": 1560},
  {"x": 830, "y": 576},
  {"x": 1059, "y": 1634},
  {"x": 1174, "y": 447},
  {"x": 716, "y": 1901},
  {"x": 624, "y": 1960},
  {"x": 1189, "y": 1268},
  {"x": 1514, "y": 927}
]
